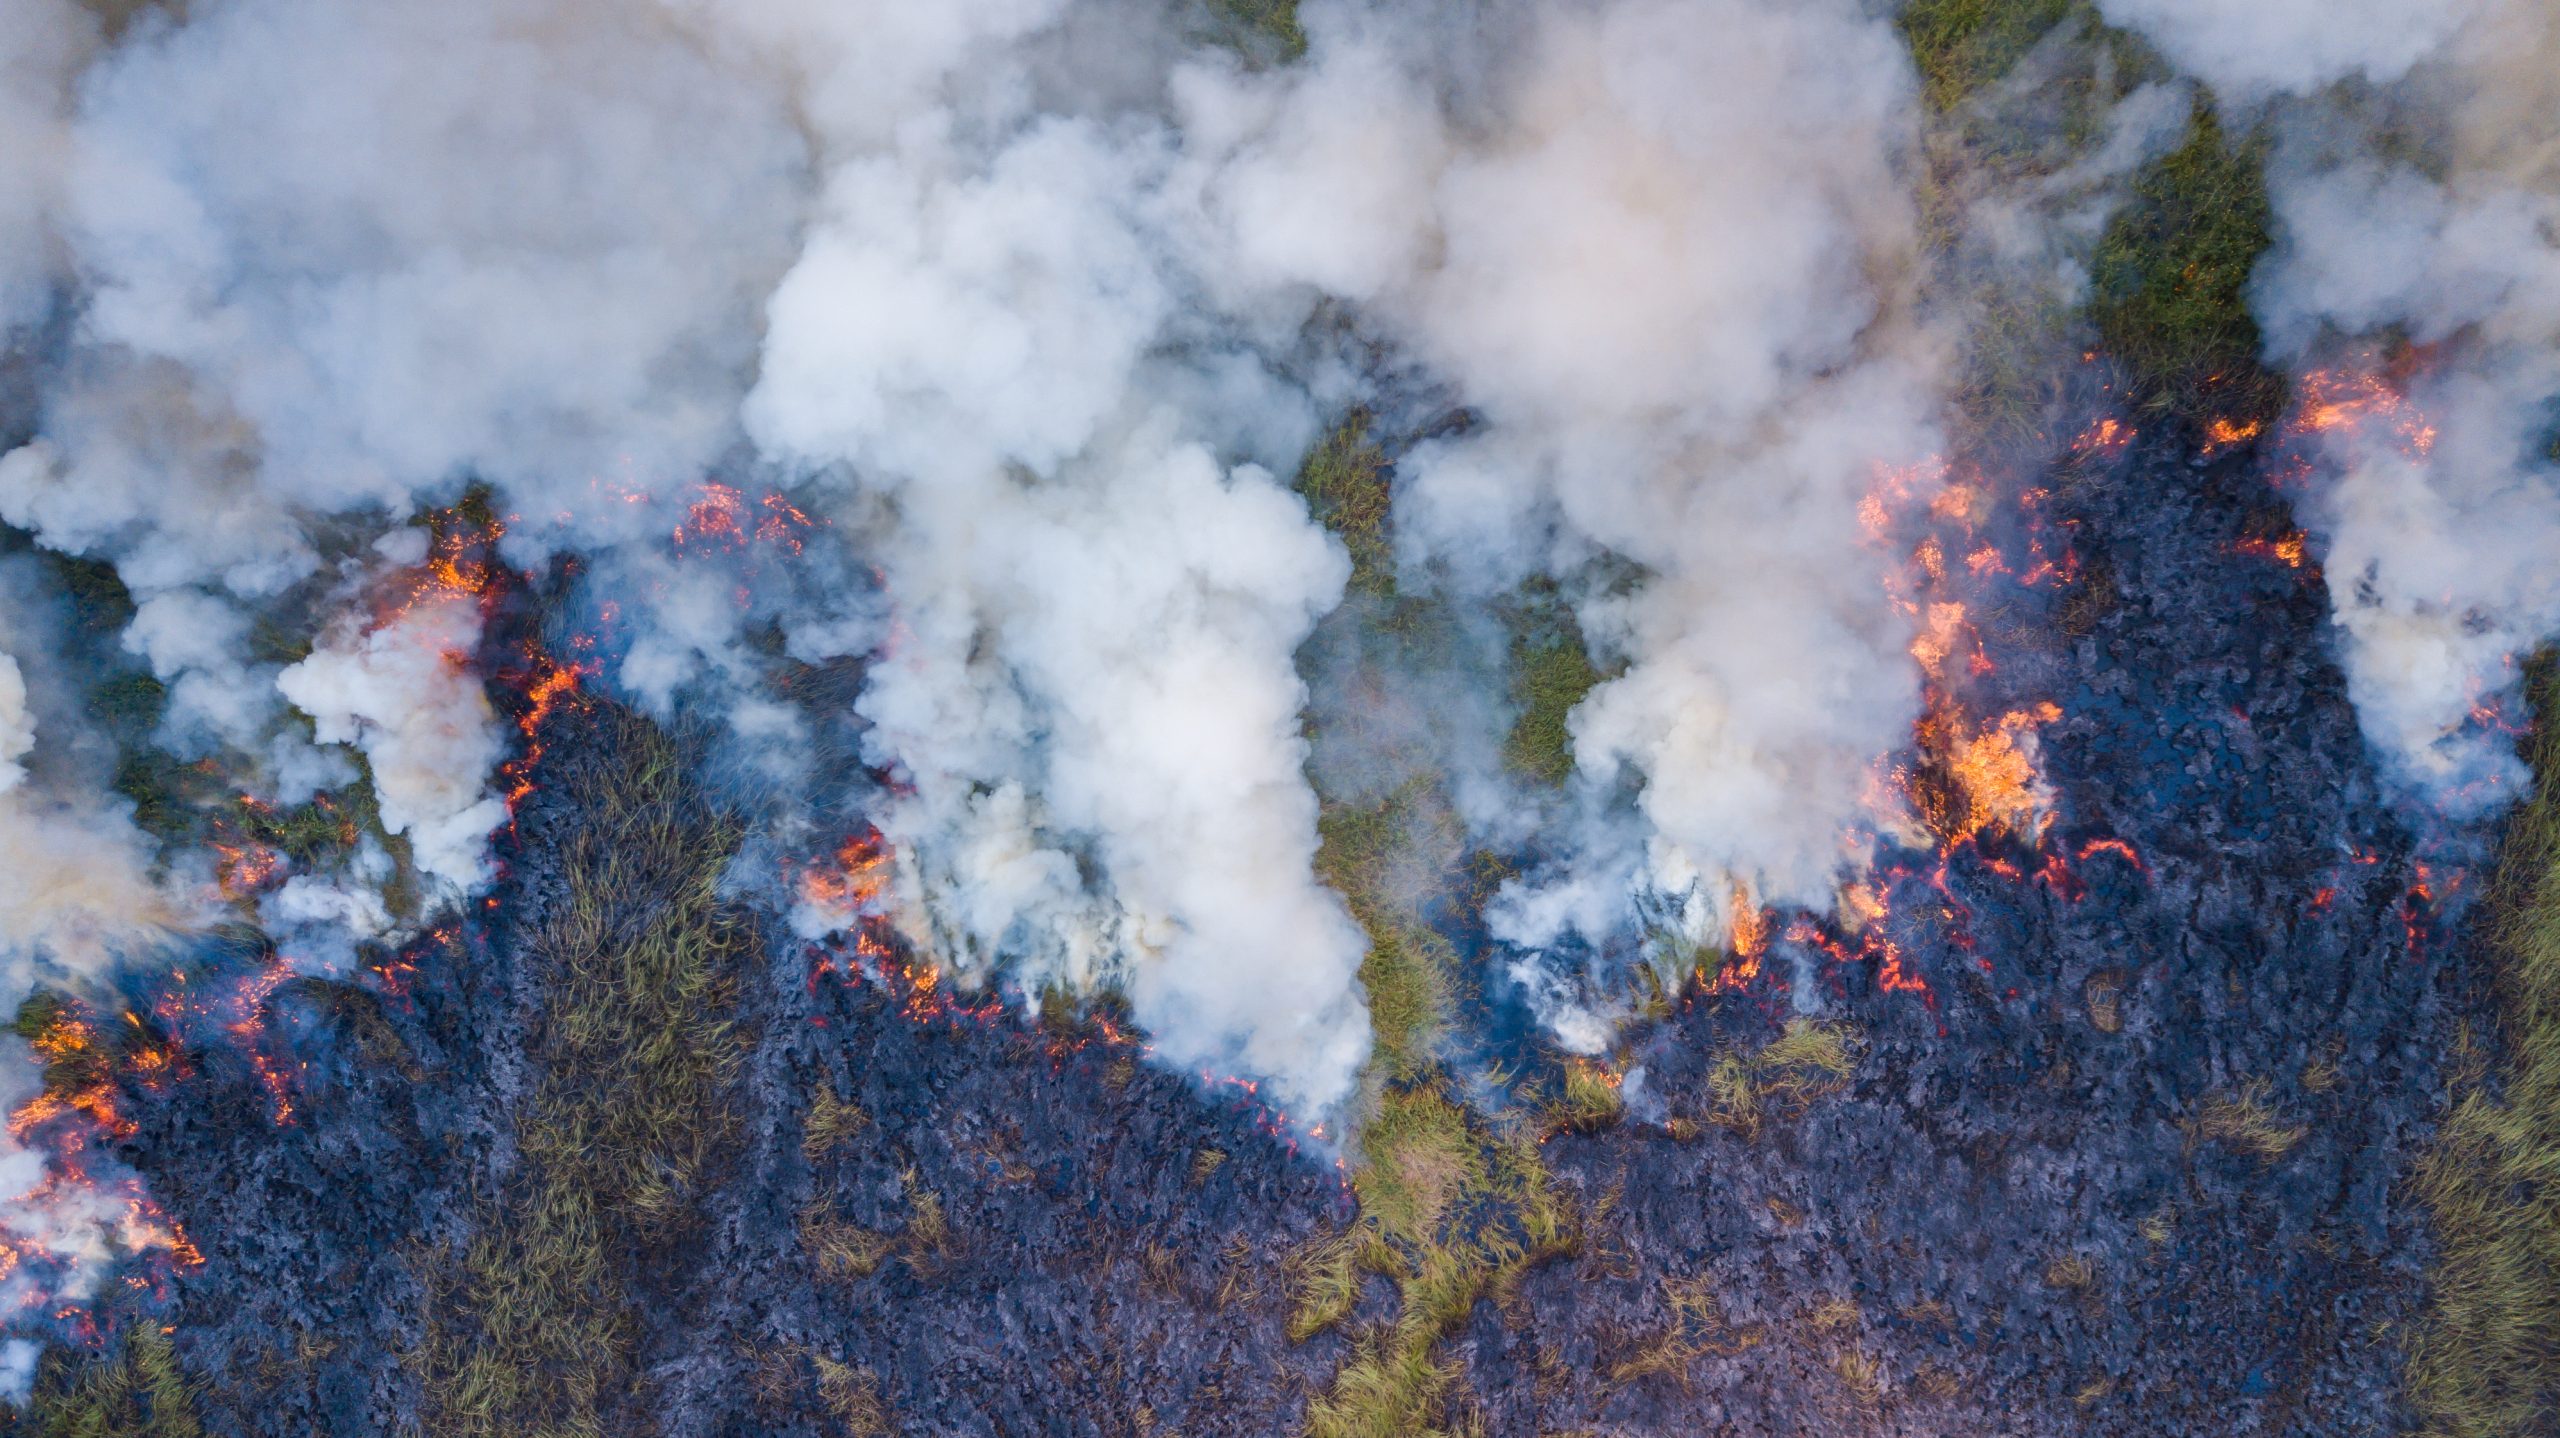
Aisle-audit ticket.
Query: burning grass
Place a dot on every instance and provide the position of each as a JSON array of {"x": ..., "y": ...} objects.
[
  {"x": 634, "y": 1061},
  {"x": 1587, "y": 1100},
  {"x": 2485, "y": 1360}
]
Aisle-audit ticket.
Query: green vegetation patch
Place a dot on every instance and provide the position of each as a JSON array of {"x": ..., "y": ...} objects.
[
  {"x": 134, "y": 1391},
  {"x": 1367, "y": 855},
  {"x": 635, "y": 1059},
  {"x": 1274, "y": 23},
  {"x": 2168, "y": 286},
  {"x": 1346, "y": 486},
  {"x": 1960, "y": 46},
  {"x": 1453, "y": 1207},
  {"x": 1551, "y": 673},
  {"x": 2485, "y": 1360}
]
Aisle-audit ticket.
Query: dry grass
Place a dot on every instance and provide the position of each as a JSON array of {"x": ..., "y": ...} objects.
[
  {"x": 832, "y": 1122},
  {"x": 2070, "y": 1272},
  {"x": 1807, "y": 1061},
  {"x": 1698, "y": 1329},
  {"x": 1860, "y": 1376},
  {"x": 2485, "y": 1360},
  {"x": 2243, "y": 1120}
]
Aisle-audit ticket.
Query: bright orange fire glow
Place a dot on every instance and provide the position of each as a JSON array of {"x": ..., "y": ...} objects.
[
  {"x": 854, "y": 883},
  {"x": 2361, "y": 402},
  {"x": 1973, "y": 779},
  {"x": 554, "y": 685},
  {"x": 2292, "y": 550},
  {"x": 2222, "y": 434},
  {"x": 246, "y": 870}
]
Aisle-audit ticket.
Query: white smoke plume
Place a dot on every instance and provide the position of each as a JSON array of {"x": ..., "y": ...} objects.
[
  {"x": 1026, "y": 294},
  {"x": 77, "y": 892},
  {"x": 43, "y": 44},
  {"x": 402, "y": 693},
  {"x": 2438, "y": 517},
  {"x": 1659, "y": 378}
]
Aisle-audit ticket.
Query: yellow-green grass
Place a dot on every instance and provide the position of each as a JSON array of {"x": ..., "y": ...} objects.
[
  {"x": 2243, "y": 1119},
  {"x": 135, "y": 1390},
  {"x": 1552, "y": 673},
  {"x": 534, "y": 1329},
  {"x": 1453, "y": 1207},
  {"x": 2484, "y": 1361},
  {"x": 1807, "y": 1060}
]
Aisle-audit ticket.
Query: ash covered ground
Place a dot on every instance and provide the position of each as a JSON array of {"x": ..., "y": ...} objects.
[
  {"x": 1440, "y": 719},
  {"x": 2041, "y": 1197}
]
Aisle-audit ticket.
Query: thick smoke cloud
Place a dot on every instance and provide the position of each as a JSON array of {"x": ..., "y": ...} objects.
[
  {"x": 1659, "y": 379},
  {"x": 1031, "y": 303},
  {"x": 2438, "y": 516}
]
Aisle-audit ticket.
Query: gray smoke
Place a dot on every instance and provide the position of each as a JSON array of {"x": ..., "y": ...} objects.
[{"x": 1034, "y": 305}]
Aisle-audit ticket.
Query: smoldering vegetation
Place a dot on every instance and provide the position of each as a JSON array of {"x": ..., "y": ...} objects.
[{"x": 1119, "y": 718}]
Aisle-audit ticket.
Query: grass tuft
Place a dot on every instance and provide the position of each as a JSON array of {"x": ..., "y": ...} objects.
[
  {"x": 2244, "y": 1121},
  {"x": 1345, "y": 481},
  {"x": 832, "y": 1123},
  {"x": 138, "y": 1391}
]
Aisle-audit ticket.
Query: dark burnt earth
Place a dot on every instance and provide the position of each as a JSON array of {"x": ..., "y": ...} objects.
[{"x": 2014, "y": 1218}]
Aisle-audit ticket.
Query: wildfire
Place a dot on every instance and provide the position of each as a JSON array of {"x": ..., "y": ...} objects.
[
  {"x": 2360, "y": 401},
  {"x": 2292, "y": 550},
  {"x": 2222, "y": 434},
  {"x": 245, "y": 870},
  {"x": 722, "y": 519},
  {"x": 1972, "y": 779},
  {"x": 73, "y": 1216},
  {"x": 551, "y": 686},
  {"x": 854, "y": 883},
  {"x": 2104, "y": 438},
  {"x": 1748, "y": 940}
]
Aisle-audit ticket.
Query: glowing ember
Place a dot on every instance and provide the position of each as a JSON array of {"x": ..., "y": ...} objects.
[
  {"x": 2361, "y": 403},
  {"x": 1975, "y": 779},
  {"x": 2106, "y": 437},
  {"x": 2292, "y": 550},
  {"x": 2222, "y": 434},
  {"x": 852, "y": 885},
  {"x": 551, "y": 687}
]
